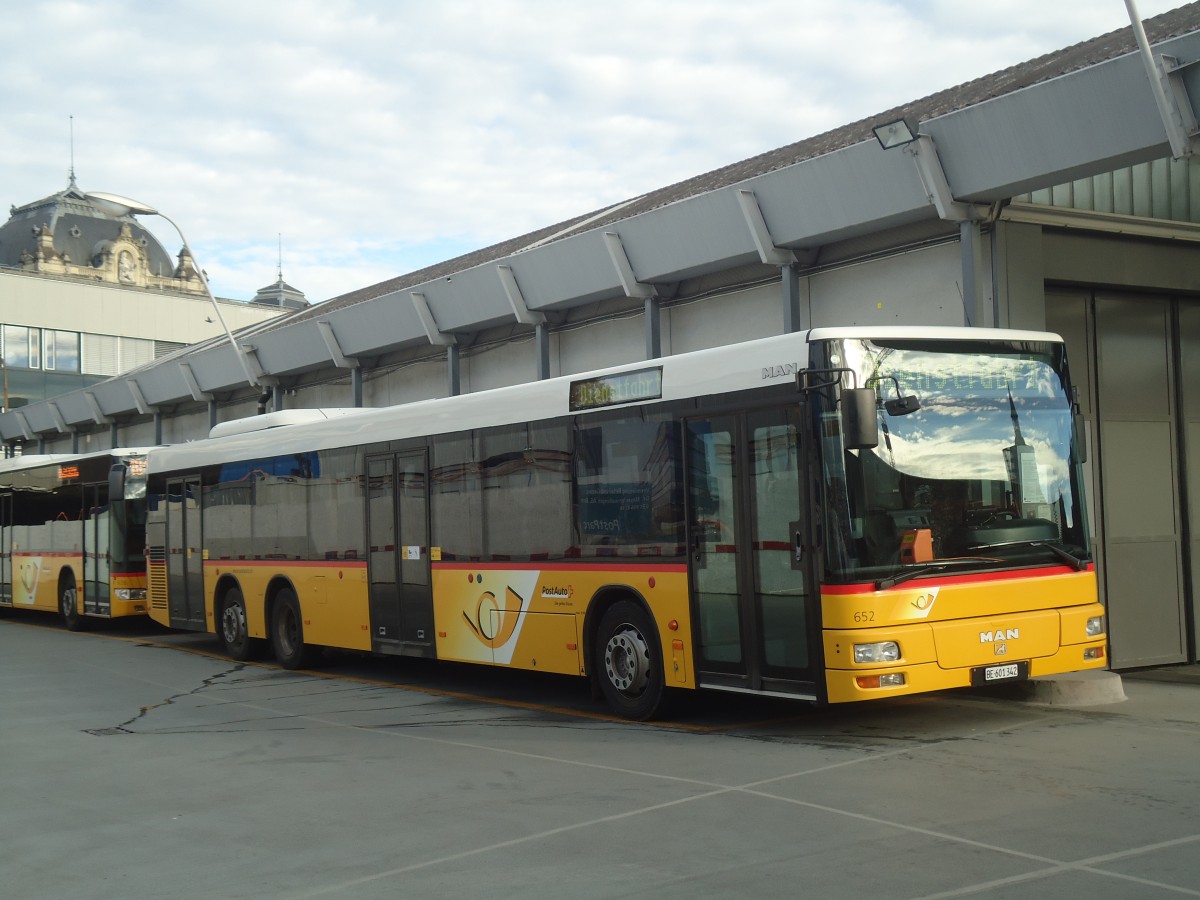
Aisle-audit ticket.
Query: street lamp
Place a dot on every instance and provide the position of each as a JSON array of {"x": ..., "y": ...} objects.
[{"x": 116, "y": 205}]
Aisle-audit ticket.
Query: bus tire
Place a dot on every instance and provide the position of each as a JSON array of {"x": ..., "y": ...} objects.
[
  {"x": 68, "y": 604},
  {"x": 629, "y": 665},
  {"x": 235, "y": 636},
  {"x": 287, "y": 632}
]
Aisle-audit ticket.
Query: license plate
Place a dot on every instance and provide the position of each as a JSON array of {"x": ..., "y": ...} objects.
[
  {"x": 1000, "y": 673},
  {"x": 1003, "y": 672}
]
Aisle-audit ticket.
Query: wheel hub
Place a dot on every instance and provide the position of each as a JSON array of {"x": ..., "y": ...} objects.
[
  {"x": 627, "y": 661},
  {"x": 232, "y": 624}
]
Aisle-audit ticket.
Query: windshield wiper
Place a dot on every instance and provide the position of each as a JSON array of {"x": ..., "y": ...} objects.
[
  {"x": 1058, "y": 550},
  {"x": 930, "y": 569}
]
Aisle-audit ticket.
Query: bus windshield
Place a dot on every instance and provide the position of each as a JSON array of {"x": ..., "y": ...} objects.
[{"x": 974, "y": 469}]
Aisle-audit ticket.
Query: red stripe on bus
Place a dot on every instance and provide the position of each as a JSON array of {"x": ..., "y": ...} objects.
[
  {"x": 559, "y": 566},
  {"x": 1010, "y": 575},
  {"x": 280, "y": 563}
]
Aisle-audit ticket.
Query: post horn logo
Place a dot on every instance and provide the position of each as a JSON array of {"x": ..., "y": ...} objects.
[{"x": 494, "y": 625}]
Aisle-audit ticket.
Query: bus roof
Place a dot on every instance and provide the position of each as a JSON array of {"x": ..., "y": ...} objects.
[
  {"x": 36, "y": 460},
  {"x": 743, "y": 366}
]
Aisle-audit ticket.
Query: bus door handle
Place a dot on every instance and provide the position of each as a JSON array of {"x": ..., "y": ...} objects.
[{"x": 797, "y": 546}]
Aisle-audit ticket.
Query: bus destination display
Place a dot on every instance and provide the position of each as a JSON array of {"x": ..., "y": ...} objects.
[{"x": 613, "y": 390}]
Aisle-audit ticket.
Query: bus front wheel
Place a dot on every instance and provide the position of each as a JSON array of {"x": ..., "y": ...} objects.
[
  {"x": 235, "y": 636},
  {"x": 68, "y": 605},
  {"x": 629, "y": 662},
  {"x": 287, "y": 633}
]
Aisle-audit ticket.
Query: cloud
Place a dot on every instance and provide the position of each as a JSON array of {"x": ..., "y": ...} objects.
[{"x": 379, "y": 136}]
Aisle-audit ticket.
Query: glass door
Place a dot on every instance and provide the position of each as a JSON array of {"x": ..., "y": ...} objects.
[
  {"x": 96, "y": 600},
  {"x": 746, "y": 536},
  {"x": 185, "y": 563},
  {"x": 398, "y": 564}
]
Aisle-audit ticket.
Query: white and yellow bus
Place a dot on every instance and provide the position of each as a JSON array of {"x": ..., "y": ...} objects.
[
  {"x": 836, "y": 515},
  {"x": 73, "y": 533}
]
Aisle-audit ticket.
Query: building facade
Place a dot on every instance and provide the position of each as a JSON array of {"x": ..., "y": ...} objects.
[{"x": 85, "y": 295}]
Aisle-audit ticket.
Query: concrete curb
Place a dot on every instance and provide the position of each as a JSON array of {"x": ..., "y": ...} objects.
[{"x": 1077, "y": 689}]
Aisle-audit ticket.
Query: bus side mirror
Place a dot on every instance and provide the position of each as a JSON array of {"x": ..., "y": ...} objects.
[{"x": 860, "y": 426}]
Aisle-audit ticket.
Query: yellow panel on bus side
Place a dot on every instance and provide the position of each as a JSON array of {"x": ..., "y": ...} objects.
[
  {"x": 548, "y": 642},
  {"x": 36, "y": 576},
  {"x": 334, "y": 607},
  {"x": 332, "y": 595},
  {"x": 505, "y": 615}
]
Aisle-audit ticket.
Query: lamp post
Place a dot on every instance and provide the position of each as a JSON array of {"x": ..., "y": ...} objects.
[{"x": 116, "y": 205}]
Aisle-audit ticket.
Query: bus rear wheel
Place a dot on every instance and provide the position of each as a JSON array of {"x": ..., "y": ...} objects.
[
  {"x": 235, "y": 636},
  {"x": 629, "y": 662},
  {"x": 68, "y": 605},
  {"x": 287, "y": 633}
]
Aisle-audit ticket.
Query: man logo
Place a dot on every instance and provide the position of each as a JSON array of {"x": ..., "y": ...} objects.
[
  {"x": 780, "y": 371},
  {"x": 1000, "y": 634}
]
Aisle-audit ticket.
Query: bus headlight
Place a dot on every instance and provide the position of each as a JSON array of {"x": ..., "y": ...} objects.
[
  {"x": 131, "y": 593},
  {"x": 884, "y": 651},
  {"x": 1095, "y": 626}
]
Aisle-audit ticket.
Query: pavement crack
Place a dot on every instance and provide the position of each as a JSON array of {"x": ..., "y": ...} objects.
[{"x": 204, "y": 685}]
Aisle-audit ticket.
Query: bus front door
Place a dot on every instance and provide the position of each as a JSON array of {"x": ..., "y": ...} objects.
[
  {"x": 96, "y": 598},
  {"x": 750, "y": 600},
  {"x": 185, "y": 564},
  {"x": 398, "y": 570}
]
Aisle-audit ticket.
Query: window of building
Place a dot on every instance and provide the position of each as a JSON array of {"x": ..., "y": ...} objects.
[
  {"x": 107, "y": 354},
  {"x": 21, "y": 347},
  {"x": 60, "y": 350}
]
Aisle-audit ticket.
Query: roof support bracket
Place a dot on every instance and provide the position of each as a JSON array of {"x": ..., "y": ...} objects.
[
  {"x": 429, "y": 323},
  {"x": 933, "y": 179},
  {"x": 261, "y": 378},
  {"x": 516, "y": 299},
  {"x": 193, "y": 384},
  {"x": 1173, "y": 71},
  {"x": 24, "y": 423},
  {"x": 340, "y": 359},
  {"x": 98, "y": 415},
  {"x": 59, "y": 422},
  {"x": 1170, "y": 93},
  {"x": 139, "y": 399},
  {"x": 763, "y": 242},
  {"x": 620, "y": 260}
]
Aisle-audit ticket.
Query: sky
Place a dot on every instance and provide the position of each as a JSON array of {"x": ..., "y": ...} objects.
[{"x": 358, "y": 140}]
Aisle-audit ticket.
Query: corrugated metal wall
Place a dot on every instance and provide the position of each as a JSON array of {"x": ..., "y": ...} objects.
[{"x": 1162, "y": 189}]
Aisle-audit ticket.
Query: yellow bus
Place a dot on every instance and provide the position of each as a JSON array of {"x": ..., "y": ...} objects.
[
  {"x": 837, "y": 515},
  {"x": 73, "y": 534}
]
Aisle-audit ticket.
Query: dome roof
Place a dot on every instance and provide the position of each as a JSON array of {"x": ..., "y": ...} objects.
[{"x": 78, "y": 232}]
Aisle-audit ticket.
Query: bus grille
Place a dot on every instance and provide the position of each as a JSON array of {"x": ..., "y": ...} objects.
[{"x": 156, "y": 577}]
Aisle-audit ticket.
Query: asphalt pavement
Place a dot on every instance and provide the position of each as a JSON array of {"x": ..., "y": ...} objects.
[{"x": 142, "y": 764}]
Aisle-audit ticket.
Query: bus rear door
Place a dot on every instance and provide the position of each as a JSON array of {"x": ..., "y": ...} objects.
[
  {"x": 398, "y": 564},
  {"x": 185, "y": 564},
  {"x": 750, "y": 597},
  {"x": 96, "y": 600}
]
